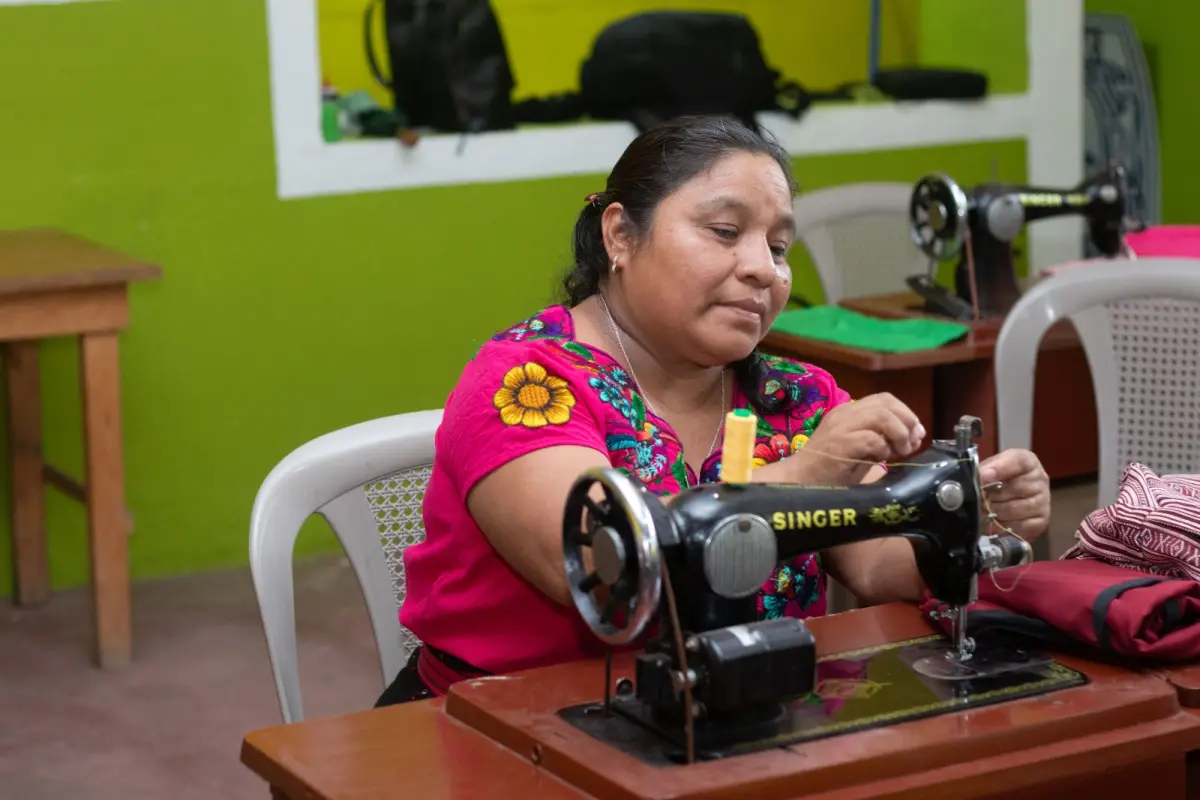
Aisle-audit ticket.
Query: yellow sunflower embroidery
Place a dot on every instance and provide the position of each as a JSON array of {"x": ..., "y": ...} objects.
[
  {"x": 798, "y": 441},
  {"x": 533, "y": 398}
]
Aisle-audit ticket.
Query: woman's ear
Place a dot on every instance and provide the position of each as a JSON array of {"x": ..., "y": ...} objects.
[{"x": 615, "y": 231}]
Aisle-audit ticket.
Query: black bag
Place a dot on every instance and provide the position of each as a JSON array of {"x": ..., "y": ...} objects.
[
  {"x": 449, "y": 65},
  {"x": 652, "y": 67},
  {"x": 925, "y": 83}
]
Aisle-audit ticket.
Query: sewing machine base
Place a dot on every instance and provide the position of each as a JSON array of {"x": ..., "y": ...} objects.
[
  {"x": 855, "y": 691},
  {"x": 1120, "y": 733}
]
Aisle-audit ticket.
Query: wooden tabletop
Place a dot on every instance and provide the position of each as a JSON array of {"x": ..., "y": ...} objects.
[
  {"x": 45, "y": 259},
  {"x": 412, "y": 750},
  {"x": 435, "y": 750},
  {"x": 979, "y": 343}
]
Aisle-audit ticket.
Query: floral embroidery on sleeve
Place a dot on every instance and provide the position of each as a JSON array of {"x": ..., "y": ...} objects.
[
  {"x": 550, "y": 323},
  {"x": 793, "y": 589},
  {"x": 783, "y": 380},
  {"x": 532, "y": 397},
  {"x": 811, "y": 421},
  {"x": 775, "y": 448}
]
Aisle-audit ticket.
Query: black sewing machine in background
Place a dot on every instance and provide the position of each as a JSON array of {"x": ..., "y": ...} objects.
[
  {"x": 714, "y": 680},
  {"x": 979, "y": 228}
]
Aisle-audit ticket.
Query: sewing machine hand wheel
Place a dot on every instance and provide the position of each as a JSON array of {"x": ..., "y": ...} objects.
[
  {"x": 937, "y": 215},
  {"x": 616, "y": 593}
]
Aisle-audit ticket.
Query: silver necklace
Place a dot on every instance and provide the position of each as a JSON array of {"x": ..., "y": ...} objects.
[{"x": 629, "y": 365}]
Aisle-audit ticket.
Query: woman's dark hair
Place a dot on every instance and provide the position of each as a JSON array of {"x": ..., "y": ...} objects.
[{"x": 654, "y": 166}]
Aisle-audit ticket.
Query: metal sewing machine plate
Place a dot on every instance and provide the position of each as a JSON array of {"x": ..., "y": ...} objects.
[{"x": 861, "y": 690}]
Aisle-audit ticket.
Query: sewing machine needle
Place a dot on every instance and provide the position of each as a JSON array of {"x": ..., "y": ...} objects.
[{"x": 960, "y": 632}]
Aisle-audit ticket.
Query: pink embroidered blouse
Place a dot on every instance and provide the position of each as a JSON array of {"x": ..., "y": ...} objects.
[{"x": 535, "y": 386}]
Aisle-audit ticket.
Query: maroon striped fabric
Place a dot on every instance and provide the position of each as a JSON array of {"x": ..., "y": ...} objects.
[{"x": 1154, "y": 526}]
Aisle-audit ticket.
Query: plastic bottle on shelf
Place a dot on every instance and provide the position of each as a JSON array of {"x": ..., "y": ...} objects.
[{"x": 331, "y": 113}]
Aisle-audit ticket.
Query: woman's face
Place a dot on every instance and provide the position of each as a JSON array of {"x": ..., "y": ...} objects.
[{"x": 712, "y": 275}]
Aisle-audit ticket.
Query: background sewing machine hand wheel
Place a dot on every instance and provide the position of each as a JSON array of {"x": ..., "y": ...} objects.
[{"x": 979, "y": 227}]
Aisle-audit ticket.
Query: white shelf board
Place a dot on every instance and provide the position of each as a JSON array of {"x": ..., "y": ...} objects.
[{"x": 314, "y": 167}]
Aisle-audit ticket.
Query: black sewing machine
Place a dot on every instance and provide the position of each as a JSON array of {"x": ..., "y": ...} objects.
[
  {"x": 943, "y": 218},
  {"x": 713, "y": 680}
]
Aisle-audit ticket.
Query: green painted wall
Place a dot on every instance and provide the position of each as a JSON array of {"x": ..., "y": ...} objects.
[
  {"x": 983, "y": 35},
  {"x": 1167, "y": 29},
  {"x": 146, "y": 126}
]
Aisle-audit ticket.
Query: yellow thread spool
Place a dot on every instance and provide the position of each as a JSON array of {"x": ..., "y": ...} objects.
[{"x": 738, "y": 450}]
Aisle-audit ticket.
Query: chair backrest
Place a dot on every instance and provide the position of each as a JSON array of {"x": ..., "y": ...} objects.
[
  {"x": 367, "y": 481},
  {"x": 858, "y": 238},
  {"x": 1139, "y": 324}
]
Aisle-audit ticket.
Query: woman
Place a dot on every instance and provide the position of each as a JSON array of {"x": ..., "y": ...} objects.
[{"x": 680, "y": 269}]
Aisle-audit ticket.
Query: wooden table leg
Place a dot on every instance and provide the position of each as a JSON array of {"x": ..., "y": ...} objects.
[
  {"x": 31, "y": 563},
  {"x": 107, "y": 530}
]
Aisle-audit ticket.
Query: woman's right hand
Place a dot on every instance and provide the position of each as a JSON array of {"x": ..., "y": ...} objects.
[{"x": 853, "y": 438}]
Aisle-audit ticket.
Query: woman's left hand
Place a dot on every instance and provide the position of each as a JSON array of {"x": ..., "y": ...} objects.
[{"x": 1022, "y": 502}]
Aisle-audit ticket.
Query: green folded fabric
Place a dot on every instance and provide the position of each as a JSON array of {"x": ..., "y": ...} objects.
[{"x": 842, "y": 326}]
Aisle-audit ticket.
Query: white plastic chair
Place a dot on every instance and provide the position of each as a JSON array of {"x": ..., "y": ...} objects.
[
  {"x": 858, "y": 237},
  {"x": 368, "y": 482},
  {"x": 1139, "y": 324}
]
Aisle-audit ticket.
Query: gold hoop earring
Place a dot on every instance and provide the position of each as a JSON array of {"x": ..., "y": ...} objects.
[{"x": 614, "y": 264}]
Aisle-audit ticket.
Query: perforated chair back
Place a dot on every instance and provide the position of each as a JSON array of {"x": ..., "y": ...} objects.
[
  {"x": 368, "y": 482},
  {"x": 1139, "y": 324},
  {"x": 858, "y": 238}
]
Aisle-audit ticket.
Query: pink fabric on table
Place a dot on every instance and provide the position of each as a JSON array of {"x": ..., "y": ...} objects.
[
  {"x": 1166, "y": 241},
  {"x": 1160, "y": 241},
  {"x": 1154, "y": 526}
]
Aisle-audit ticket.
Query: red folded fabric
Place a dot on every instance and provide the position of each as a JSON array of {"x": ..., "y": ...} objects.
[
  {"x": 1154, "y": 525},
  {"x": 1114, "y": 610}
]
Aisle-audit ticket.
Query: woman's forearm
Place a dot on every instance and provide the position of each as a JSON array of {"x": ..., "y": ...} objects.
[
  {"x": 776, "y": 472},
  {"x": 891, "y": 572}
]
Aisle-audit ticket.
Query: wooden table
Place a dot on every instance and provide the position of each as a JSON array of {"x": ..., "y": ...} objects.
[
  {"x": 54, "y": 284},
  {"x": 943, "y": 383},
  {"x": 1124, "y": 734}
]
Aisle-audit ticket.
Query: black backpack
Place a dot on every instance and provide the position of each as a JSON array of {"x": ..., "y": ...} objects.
[
  {"x": 449, "y": 65},
  {"x": 652, "y": 67}
]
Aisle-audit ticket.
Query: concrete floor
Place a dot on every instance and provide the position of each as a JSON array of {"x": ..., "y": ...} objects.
[{"x": 171, "y": 724}]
